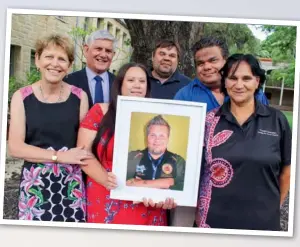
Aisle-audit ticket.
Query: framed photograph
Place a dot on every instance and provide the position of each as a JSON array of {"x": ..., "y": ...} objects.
[{"x": 158, "y": 149}]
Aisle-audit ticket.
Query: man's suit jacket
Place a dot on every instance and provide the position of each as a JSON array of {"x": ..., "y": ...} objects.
[{"x": 79, "y": 79}]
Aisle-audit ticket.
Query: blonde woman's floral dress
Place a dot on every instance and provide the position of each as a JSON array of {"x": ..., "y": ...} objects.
[{"x": 49, "y": 191}]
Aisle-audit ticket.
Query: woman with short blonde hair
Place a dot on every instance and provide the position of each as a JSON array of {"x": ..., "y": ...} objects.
[{"x": 45, "y": 118}]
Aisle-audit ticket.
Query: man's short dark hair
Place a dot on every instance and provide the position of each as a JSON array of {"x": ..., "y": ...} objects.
[
  {"x": 167, "y": 43},
  {"x": 211, "y": 41}
]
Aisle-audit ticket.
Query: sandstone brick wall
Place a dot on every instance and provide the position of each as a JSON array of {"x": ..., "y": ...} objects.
[{"x": 26, "y": 29}]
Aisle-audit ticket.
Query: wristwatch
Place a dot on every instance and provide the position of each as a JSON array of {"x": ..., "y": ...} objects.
[{"x": 54, "y": 157}]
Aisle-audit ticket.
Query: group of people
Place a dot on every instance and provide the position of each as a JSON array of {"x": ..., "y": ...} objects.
[{"x": 63, "y": 127}]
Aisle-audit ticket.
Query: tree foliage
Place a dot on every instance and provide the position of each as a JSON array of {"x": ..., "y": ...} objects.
[
  {"x": 281, "y": 45},
  {"x": 14, "y": 83},
  {"x": 144, "y": 34},
  {"x": 239, "y": 37},
  {"x": 79, "y": 35}
]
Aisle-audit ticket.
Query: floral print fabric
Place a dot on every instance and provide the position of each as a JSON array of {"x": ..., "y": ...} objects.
[{"x": 52, "y": 192}]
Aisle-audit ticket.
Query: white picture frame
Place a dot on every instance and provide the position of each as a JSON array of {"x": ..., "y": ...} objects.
[{"x": 196, "y": 112}]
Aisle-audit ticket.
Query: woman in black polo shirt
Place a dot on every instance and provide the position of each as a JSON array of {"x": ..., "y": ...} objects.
[{"x": 246, "y": 173}]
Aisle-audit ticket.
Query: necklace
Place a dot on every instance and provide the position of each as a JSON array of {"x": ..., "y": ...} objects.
[{"x": 59, "y": 97}]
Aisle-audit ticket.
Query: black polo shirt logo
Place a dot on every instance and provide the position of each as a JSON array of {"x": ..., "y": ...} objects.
[{"x": 266, "y": 132}]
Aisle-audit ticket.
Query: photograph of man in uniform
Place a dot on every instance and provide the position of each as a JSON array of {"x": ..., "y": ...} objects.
[{"x": 155, "y": 166}]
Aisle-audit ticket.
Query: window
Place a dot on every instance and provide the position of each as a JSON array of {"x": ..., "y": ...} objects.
[
  {"x": 86, "y": 24},
  {"x": 15, "y": 52},
  {"x": 32, "y": 61},
  {"x": 125, "y": 40},
  {"x": 100, "y": 23},
  {"x": 118, "y": 36},
  {"x": 110, "y": 28},
  {"x": 12, "y": 60}
]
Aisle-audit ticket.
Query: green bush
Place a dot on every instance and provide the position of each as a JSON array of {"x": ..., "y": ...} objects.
[{"x": 14, "y": 83}]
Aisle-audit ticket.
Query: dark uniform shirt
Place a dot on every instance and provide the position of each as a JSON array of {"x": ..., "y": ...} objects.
[
  {"x": 169, "y": 165},
  {"x": 239, "y": 187},
  {"x": 169, "y": 88}
]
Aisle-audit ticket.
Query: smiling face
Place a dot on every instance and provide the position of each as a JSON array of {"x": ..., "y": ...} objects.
[
  {"x": 165, "y": 61},
  {"x": 242, "y": 84},
  {"x": 99, "y": 55},
  {"x": 209, "y": 61},
  {"x": 53, "y": 63},
  {"x": 134, "y": 83},
  {"x": 157, "y": 139}
]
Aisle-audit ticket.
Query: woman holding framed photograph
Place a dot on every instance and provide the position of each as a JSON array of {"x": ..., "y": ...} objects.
[{"x": 96, "y": 133}]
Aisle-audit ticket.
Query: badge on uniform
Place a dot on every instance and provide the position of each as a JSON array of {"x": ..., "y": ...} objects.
[
  {"x": 167, "y": 168},
  {"x": 140, "y": 169}
]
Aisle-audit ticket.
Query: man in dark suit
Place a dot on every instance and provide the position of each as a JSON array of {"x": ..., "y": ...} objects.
[{"x": 95, "y": 79}]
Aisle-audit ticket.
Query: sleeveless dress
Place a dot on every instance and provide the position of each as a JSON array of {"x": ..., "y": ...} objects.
[
  {"x": 50, "y": 191},
  {"x": 102, "y": 209}
]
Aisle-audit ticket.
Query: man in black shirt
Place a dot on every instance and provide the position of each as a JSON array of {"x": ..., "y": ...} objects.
[
  {"x": 165, "y": 77},
  {"x": 155, "y": 166}
]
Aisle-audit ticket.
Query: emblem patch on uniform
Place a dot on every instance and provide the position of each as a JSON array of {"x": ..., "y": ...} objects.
[
  {"x": 140, "y": 169},
  {"x": 167, "y": 168}
]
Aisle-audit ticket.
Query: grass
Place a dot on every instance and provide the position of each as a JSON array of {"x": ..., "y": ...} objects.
[{"x": 289, "y": 116}]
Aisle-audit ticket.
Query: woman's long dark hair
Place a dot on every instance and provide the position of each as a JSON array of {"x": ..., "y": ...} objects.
[
  {"x": 107, "y": 125},
  {"x": 234, "y": 61}
]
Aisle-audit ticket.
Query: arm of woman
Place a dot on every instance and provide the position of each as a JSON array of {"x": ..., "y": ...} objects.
[
  {"x": 284, "y": 182},
  {"x": 16, "y": 141},
  {"x": 286, "y": 149},
  {"x": 93, "y": 167},
  {"x": 84, "y": 106},
  {"x": 86, "y": 135}
]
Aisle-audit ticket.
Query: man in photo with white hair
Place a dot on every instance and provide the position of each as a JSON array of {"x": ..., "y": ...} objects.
[{"x": 95, "y": 79}]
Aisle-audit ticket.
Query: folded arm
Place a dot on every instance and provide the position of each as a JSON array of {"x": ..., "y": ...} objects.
[
  {"x": 19, "y": 149},
  {"x": 160, "y": 183}
]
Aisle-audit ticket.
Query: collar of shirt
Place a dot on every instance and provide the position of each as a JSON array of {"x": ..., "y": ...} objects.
[
  {"x": 156, "y": 161},
  {"x": 175, "y": 77},
  {"x": 203, "y": 94},
  {"x": 91, "y": 75},
  {"x": 197, "y": 83},
  {"x": 260, "y": 110}
]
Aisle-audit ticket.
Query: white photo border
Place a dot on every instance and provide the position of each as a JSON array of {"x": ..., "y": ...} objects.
[{"x": 254, "y": 21}]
